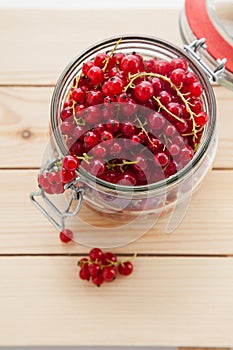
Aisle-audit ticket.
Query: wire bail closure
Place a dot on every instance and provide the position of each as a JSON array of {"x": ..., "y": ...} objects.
[
  {"x": 193, "y": 50},
  {"x": 76, "y": 194}
]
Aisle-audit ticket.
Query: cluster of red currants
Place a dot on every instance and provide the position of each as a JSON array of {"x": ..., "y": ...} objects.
[
  {"x": 61, "y": 173},
  {"x": 139, "y": 119},
  {"x": 103, "y": 267}
]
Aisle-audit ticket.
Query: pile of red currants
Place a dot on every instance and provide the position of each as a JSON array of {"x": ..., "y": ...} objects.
[{"x": 129, "y": 120}]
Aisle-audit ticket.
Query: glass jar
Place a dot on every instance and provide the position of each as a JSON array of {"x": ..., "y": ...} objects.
[{"x": 125, "y": 212}]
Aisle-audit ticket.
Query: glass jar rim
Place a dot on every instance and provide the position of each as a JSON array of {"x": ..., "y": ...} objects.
[{"x": 108, "y": 43}]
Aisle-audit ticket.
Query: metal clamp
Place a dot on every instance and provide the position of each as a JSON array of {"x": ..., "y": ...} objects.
[
  {"x": 76, "y": 194},
  {"x": 193, "y": 50}
]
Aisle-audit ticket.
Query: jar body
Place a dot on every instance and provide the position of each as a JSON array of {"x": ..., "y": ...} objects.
[{"x": 130, "y": 203}]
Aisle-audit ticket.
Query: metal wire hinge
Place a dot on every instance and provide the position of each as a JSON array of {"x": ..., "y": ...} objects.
[
  {"x": 193, "y": 50},
  {"x": 58, "y": 221}
]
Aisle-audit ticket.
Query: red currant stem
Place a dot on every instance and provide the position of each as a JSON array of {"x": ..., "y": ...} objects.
[
  {"x": 191, "y": 133},
  {"x": 166, "y": 110},
  {"x": 165, "y": 141},
  {"x": 144, "y": 130},
  {"x": 125, "y": 162},
  {"x": 77, "y": 80},
  {"x": 131, "y": 259},
  {"x": 79, "y": 121},
  {"x": 74, "y": 86},
  {"x": 111, "y": 54}
]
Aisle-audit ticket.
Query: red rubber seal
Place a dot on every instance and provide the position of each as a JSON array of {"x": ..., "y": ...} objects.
[{"x": 202, "y": 27}]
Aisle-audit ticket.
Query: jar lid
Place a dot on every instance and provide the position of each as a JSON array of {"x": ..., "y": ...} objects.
[{"x": 212, "y": 20}]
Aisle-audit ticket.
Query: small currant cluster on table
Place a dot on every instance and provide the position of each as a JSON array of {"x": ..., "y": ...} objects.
[
  {"x": 102, "y": 267},
  {"x": 127, "y": 117}
]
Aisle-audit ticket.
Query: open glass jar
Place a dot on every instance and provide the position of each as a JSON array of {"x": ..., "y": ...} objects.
[{"x": 132, "y": 209}]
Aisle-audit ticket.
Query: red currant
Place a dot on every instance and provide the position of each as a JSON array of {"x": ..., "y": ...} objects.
[
  {"x": 78, "y": 95},
  {"x": 66, "y": 235},
  {"x": 70, "y": 163},
  {"x": 96, "y": 75},
  {"x": 125, "y": 268},
  {"x": 109, "y": 273},
  {"x": 130, "y": 64},
  {"x": 98, "y": 280},
  {"x": 143, "y": 91},
  {"x": 96, "y": 254}
]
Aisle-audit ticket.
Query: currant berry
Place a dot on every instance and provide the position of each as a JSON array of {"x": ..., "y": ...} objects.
[
  {"x": 179, "y": 63},
  {"x": 94, "y": 98},
  {"x": 106, "y": 136},
  {"x": 165, "y": 97},
  {"x": 201, "y": 119},
  {"x": 127, "y": 178},
  {"x": 67, "y": 175},
  {"x": 109, "y": 258},
  {"x": 99, "y": 151},
  {"x": 91, "y": 139},
  {"x": 67, "y": 128},
  {"x": 97, "y": 167},
  {"x": 86, "y": 67},
  {"x": 113, "y": 125},
  {"x": 43, "y": 180},
  {"x": 94, "y": 269},
  {"x": 82, "y": 262},
  {"x": 84, "y": 273},
  {"x": 78, "y": 95},
  {"x": 70, "y": 163},
  {"x": 125, "y": 268},
  {"x": 100, "y": 59},
  {"x": 161, "y": 159},
  {"x": 156, "y": 120},
  {"x": 109, "y": 273},
  {"x": 96, "y": 75},
  {"x": 162, "y": 67},
  {"x": 130, "y": 64},
  {"x": 196, "y": 89},
  {"x": 178, "y": 76},
  {"x": 128, "y": 128},
  {"x": 143, "y": 91},
  {"x": 115, "y": 85},
  {"x": 98, "y": 280},
  {"x": 66, "y": 113},
  {"x": 95, "y": 254},
  {"x": 141, "y": 162},
  {"x": 54, "y": 178},
  {"x": 66, "y": 236}
]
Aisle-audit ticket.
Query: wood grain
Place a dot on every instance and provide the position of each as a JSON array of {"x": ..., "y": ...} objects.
[
  {"x": 44, "y": 42},
  {"x": 181, "y": 295},
  {"x": 206, "y": 228},
  {"x": 24, "y": 120},
  {"x": 167, "y": 301},
  {"x": 26, "y": 110}
]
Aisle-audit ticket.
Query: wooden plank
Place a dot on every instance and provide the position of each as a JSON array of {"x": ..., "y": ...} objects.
[
  {"x": 24, "y": 112},
  {"x": 224, "y": 98},
  {"x": 206, "y": 228},
  {"x": 167, "y": 301},
  {"x": 24, "y": 121},
  {"x": 45, "y": 41}
]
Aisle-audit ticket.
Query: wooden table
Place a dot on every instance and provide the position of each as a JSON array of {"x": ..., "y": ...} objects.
[{"x": 181, "y": 293}]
